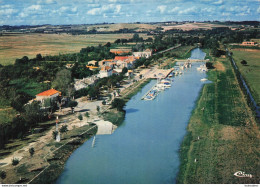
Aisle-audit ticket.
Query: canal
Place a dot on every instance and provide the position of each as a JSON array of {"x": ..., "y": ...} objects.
[{"x": 144, "y": 149}]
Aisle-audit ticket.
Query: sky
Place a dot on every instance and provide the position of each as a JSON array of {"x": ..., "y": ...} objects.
[{"x": 57, "y": 12}]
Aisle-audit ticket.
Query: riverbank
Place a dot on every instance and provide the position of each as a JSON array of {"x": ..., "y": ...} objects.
[{"x": 222, "y": 133}]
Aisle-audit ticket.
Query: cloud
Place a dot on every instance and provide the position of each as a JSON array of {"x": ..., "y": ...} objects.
[
  {"x": 175, "y": 9},
  {"x": 8, "y": 11},
  {"x": 258, "y": 10},
  {"x": 161, "y": 8},
  {"x": 219, "y": 2},
  {"x": 111, "y": 8},
  {"x": 190, "y": 10},
  {"x": 34, "y": 7}
]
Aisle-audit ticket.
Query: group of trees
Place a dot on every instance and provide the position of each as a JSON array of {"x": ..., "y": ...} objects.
[{"x": 135, "y": 39}]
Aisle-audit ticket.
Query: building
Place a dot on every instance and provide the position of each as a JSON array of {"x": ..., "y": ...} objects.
[
  {"x": 248, "y": 43},
  {"x": 92, "y": 68},
  {"x": 125, "y": 61},
  {"x": 145, "y": 54},
  {"x": 105, "y": 71},
  {"x": 48, "y": 94},
  {"x": 92, "y": 62},
  {"x": 120, "y": 51}
]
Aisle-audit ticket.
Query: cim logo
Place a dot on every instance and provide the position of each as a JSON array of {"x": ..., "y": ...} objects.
[{"x": 242, "y": 174}]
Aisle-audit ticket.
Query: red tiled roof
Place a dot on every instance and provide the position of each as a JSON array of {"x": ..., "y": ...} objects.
[
  {"x": 121, "y": 57},
  {"x": 105, "y": 68},
  {"x": 48, "y": 92}
]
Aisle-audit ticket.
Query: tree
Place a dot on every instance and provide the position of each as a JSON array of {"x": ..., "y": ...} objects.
[
  {"x": 54, "y": 134},
  {"x": 64, "y": 128},
  {"x": 39, "y": 57},
  {"x": 33, "y": 113},
  {"x": 31, "y": 151},
  {"x": 117, "y": 41},
  {"x": 118, "y": 104},
  {"x": 98, "y": 109},
  {"x": 87, "y": 115},
  {"x": 15, "y": 161},
  {"x": 108, "y": 44},
  {"x": 2, "y": 174},
  {"x": 103, "y": 102},
  {"x": 243, "y": 62},
  {"x": 62, "y": 80},
  {"x": 72, "y": 105},
  {"x": 136, "y": 37},
  {"x": 80, "y": 117},
  {"x": 124, "y": 70}
]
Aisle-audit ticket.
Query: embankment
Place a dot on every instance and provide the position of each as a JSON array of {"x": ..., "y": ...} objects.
[{"x": 222, "y": 134}]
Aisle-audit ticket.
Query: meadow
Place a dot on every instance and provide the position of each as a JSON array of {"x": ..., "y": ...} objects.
[
  {"x": 251, "y": 71},
  {"x": 15, "y": 46},
  {"x": 222, "y": 135}
]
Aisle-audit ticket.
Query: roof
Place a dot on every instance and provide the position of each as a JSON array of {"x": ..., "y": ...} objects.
[
  {"x": 48, "y": 92},
  {"x": 92, "y": 67},
  {"x": 121, "y": 57},
  {"x": 105, "y": 68},
  {"x": 130, "y": 71}
]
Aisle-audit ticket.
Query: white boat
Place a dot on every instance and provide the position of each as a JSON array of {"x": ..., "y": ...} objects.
[
  {"x": 202, "y": 68},
  {"x": 204, "y": 79}
]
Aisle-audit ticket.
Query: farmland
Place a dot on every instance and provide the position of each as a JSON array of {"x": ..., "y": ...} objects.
[
  {"x": 251, "y": 71},
  {"x": 222, "y": 133},
  {"x": 15, "y": 46}
]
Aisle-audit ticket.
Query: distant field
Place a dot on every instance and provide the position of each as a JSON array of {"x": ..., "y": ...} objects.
[
  {"x": 116, "y": 27},
  {"x": 19, "y": 45},
  {"x": 191, "y": 26},
  {"x": 251, "y": 72}
]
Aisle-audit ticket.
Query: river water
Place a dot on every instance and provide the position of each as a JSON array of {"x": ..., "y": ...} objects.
[{"x": 144, "y": 149}]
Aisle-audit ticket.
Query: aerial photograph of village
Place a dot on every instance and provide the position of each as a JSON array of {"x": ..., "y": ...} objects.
[{"x": 129, "y": 92}]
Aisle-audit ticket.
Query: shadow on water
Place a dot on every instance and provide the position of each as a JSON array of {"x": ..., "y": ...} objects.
[{"x": 131, "y": 110}]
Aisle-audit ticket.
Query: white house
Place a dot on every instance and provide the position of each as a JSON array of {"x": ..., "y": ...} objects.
[
  {"x": 105, "y": 72},
  {"x": 145, "y": 54},
  {"x": 48, "y": 94}
]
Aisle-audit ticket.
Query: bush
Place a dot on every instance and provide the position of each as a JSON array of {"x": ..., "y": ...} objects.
[
  {"x": 118, "y": 104},
  {"x": 103, "y": 102},
  {"x": 54, "y": 134},
  {"x": 2, "y": 174},
  {"x": 31, "y": 151},
  {"x": 15, "y": 161},
  {"x": 80, "y": 117}
]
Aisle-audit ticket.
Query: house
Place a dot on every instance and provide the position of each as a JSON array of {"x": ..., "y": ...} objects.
[
  {"x": 248, "y": 43},
  {"x": 69, "y": 65},
  {"x": 145, "y": 54},
  {"x": 48, "y": 94},
  {"x": 130, "y": 73},
  {"x": 105, "y": 62},
  {"x": 125, "y": 61},
  {"x": 92, "y": 62},
  {"x": 105, "y": 71}
]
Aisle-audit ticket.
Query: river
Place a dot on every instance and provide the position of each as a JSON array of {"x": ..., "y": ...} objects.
[{"x": 145, "y": 148}]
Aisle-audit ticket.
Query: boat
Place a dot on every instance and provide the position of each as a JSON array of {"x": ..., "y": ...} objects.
[
  {"x": 202, "y": 68},
  {"x": 204, "y": 79}
]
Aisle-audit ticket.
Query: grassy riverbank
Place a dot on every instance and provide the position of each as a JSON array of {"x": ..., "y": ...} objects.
[{"x": 222, "y": 135}]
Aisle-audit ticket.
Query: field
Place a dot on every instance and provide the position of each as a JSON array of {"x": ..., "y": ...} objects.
[
  {"x": 116, "y": 27},
  {"x": 19, "y": 45},
  {"x": 192, "y": 26},
  {"x": 251, "y": 72},
  {"x": 222, "y": 135}
]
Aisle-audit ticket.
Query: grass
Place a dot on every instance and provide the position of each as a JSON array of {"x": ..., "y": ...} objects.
[
  {"x": 182, "y": 52},
  {"x": 228, "y": 134},
  {"x": 251, "y": 72},
  {"x": 19, "y": 45}
]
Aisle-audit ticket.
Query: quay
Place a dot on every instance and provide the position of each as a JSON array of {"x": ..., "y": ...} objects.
[{"x": 156, "y": 73}]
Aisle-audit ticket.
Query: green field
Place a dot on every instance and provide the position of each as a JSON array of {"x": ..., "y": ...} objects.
[
  {"x": 222, "y": 136},
  {"x": 19, "y": 45},
  {"x": 251, "y": 72}
]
